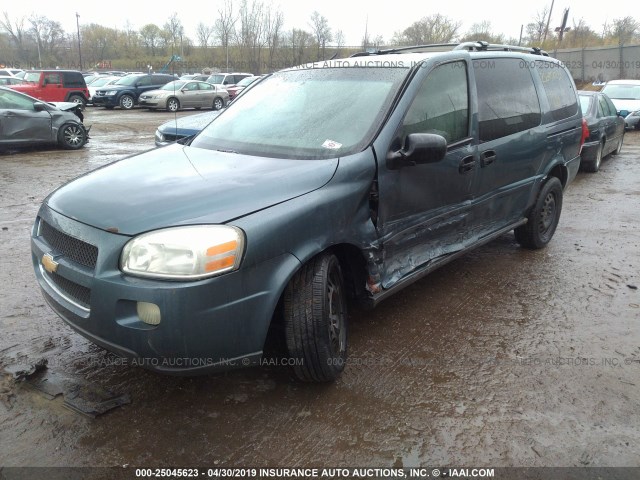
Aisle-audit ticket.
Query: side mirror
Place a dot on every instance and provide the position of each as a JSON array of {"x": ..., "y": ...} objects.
[
  {"x": 418, "y": 148},
  {"x": 38, "y": 106},
  {"x": 623, "y": 113}
]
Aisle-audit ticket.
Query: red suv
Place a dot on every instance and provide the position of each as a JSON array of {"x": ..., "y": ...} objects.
[{"x": 55, "y": 86}]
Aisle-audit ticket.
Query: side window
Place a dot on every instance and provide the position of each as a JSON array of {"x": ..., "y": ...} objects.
[
  {"x": 558, "y": 88},
  {"x": 603, "y": 108},
  {"x": 52, "y": 78},
  {"x": 613, "y": 111},
  {"x": 11, "y": 100},
  {"x": 442, "y": 104},
  {"x": 205, "y": 86},
  {"x": 73, "y": 80},
  {"x": 144, "y": 81},
  {"x": 507, "y": 98}
]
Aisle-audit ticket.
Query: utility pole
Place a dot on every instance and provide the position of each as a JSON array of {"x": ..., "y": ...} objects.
[
  {"x": 546, "y": 30},
  {"x": 520, "y": 40},
  {"x": 79, "y": 47}
]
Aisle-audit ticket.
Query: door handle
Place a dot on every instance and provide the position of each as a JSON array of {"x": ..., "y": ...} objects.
[
  {"x": 467, "y": 164},
  {"x": 487, "y": 158}
]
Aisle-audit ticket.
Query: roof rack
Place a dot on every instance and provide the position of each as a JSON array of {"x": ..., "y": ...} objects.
[{"x": 479, "y": 46}]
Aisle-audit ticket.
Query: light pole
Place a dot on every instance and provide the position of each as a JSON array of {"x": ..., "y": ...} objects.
[{"x": 79, "y": 48}]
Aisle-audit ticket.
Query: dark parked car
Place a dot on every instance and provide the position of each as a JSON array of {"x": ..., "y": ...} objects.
[
  {"x": 606, "y": 129},
  {"x": 183, "y": 127},
  {"x": 371, "y": 172},
  {"x": 126, "y": 91},
  {"x": 27, "y": 121}
]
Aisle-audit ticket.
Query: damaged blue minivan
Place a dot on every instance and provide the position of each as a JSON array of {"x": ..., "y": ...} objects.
[{"x": 326, "y": 184}]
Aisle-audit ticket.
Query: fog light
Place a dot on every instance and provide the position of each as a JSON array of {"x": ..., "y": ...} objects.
[{"x": 149, "y": 313}]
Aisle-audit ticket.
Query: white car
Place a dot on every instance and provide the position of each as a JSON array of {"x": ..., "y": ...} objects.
[
  {"x": 625, "y": 95},
  {"x": 10, "y": 72},
  {"x": 99, "y": 83}
]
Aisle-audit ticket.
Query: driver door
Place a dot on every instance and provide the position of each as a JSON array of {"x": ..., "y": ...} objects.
[
  {"x": 20, "y": 122},
  {"x": 424, "y": 209}
]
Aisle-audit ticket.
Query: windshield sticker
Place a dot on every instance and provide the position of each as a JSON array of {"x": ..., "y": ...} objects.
[{"x": 330, "y": 144}]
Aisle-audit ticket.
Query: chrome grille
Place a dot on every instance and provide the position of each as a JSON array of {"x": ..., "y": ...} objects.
[{"x": 74, "y": 249}]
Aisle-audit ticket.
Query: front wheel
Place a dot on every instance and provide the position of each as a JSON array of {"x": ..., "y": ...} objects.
[
  {"x": 72, "y": 136},
  {"x": 127, "y": 102},
  {"x": 543, "y": 219},
  {"x": 218, "y": 103},
  {"x": 315, "y": 320},
  {"x": 173, "y": 105}
]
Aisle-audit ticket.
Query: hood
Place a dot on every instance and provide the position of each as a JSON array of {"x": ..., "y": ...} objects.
[
  {"x": 179, "y": 185},
  {"x": 626, "y": 104},
  {"x": 190, "y": 124},
  {"x": 65, "y": 106}
]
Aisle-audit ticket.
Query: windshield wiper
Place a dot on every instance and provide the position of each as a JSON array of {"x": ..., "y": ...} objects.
[{"x": 225, "y": 151}]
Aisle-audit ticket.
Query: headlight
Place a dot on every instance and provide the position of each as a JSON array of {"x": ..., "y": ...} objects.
[
  {"x": 636, "y": 113},
  {"x": 111, "y": 92},
  {"x": 184, "y": 253},
  {"x": 159, "y": 136}
]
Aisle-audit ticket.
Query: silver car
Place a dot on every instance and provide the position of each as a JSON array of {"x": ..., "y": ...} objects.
[{"x": 181, "y": 94}]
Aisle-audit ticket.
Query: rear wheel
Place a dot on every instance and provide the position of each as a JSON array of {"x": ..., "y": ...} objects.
[
  {"x": 72, "y": 136},
  {"x": 79, "y": 100},
  {"x": 173, "y": 105},
  {"x": 543, "y": 219},
  {"x": 594, "y": 165},
  {"x": 315, "y": 318},
  {"x": 619, "y": 147}
]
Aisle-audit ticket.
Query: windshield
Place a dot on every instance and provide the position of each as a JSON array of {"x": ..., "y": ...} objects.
[
  {"x": 177, "y": 85},
  {"x": 100, "y": 81},
  {"x": 247, "y": 81},
  {"x": 623, "y": 92},
  {"x": 584, "y": 103},
  {"x": 306, "y": 114},
  {"x": 215, "y": 79},
  {"x": 32, "y": 77},
  {"x": 128, "y": 80}
]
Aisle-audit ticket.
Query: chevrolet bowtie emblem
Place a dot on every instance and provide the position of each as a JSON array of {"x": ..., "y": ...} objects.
[{"x": 49, "y": 264}]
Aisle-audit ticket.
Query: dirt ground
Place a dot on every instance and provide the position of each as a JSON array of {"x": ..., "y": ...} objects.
[{"x": 505, "y": 357}]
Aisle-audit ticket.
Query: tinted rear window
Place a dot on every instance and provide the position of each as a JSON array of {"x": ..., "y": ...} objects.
[
  {"x": 559, "y": 89},
  {"x": 507, "y": 98},
  {"x": 74, "y": 79}
]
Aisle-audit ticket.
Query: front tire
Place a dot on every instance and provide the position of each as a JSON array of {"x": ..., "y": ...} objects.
[
  {"x": 544, "y": 218},
  {"x": 315, "y": 320},
  {"x": 173, "y": 105},
  {"x": 127, "y": 102},
  {"x": 218, "y": 103},
  {"x": 72, "y": 136}
]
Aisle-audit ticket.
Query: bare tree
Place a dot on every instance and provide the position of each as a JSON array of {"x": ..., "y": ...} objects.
[
  {"x": 535, "y": 30},
  {"x": 99, "y": 42},
  {"x": 203, "y": 33},
  {"x": 225, "y": 26},
  {"x": 176, "y": 32},
  {"x": 16, "y": 30},
  {"x": 321, "y": 30},
  {"x": 623, "y": 30},
  {"x": 338, "y": 38},
  {"x": 435, "y": 28},
  {"x": 581, "y": 35},
  {"x": 151, "y": 37},
  {"x": 483, "y": 31},
  {"x": 273, "y": 31}
]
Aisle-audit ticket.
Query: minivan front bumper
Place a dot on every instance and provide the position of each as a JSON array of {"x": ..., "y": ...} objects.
[{"x": 209, "y": 325}]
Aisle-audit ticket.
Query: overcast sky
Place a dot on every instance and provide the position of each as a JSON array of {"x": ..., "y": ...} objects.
[{"x": 348, "y": 16}]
